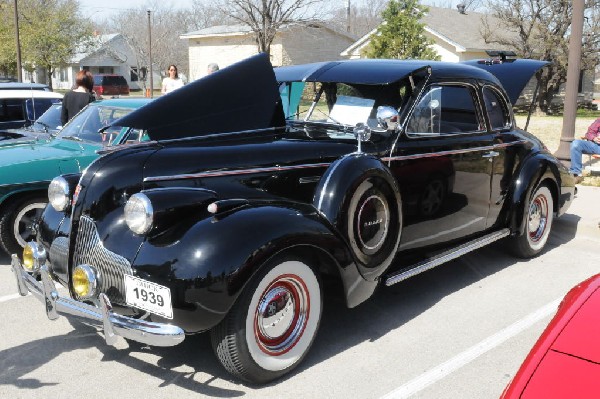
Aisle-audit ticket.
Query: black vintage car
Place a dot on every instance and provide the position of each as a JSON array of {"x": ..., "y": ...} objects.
[{"x": 230, "y": 217}]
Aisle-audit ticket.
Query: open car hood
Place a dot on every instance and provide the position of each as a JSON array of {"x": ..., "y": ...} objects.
[
  {"x": 512, "y": 74},
  {"x": 243, "y": 96},
  {"x": 352, "y": 71}
]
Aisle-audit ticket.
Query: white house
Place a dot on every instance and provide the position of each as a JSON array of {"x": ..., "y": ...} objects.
[
  {"x": 293, "y": 44},
  {"x": 457, "y": 36},
  {"x": 111, "y": 55}
]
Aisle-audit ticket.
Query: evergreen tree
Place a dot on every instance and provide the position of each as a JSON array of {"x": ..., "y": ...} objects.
[{"x": 401, "y": 35}]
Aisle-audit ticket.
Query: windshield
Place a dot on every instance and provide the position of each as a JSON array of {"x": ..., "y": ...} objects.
[
  {"x": 49, "y": 120},
  {"x": 86, "y": 124},
  {"x": 37, "y": 106},
  {"x": 340, "y": 105}
]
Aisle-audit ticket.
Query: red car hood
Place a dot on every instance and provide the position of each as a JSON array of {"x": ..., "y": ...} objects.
[{"x": 565, "y": 361}]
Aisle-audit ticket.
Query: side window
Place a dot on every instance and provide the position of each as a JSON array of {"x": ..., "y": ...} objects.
[
  {"x": 496, "y": 109},
  {"x": 445, "y": 109}
]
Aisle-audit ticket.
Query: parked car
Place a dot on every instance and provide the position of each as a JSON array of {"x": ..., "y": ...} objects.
[
  {"x": 27, "y": 169},
  {"x": 110, "y": 85},
  {"x": 43, "y": 128},
  {"x": 23, "y": 86},
  {"x": 565, "y": 361},
  {"x": 19, "y": 108},
  {"x": 229, "y": 218}
]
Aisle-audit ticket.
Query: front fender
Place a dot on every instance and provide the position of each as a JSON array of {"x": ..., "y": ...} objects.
[{"x": 209, "y": 262}]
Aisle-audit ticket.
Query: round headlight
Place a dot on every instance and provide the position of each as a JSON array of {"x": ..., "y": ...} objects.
[
  {"x": 58, "y": 193},
  {"x": 139, "y": 213},
  {"x": 85, "y": 281},
  {"x": 34, "y": 256}
]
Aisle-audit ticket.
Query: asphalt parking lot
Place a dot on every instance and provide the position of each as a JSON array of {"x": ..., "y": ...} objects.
[{"x": 458, "y": 331}]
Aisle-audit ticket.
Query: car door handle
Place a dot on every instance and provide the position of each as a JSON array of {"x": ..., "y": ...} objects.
[{"x": 491, "y": 154}]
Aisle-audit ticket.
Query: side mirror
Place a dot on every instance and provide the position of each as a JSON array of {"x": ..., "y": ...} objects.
[{"x": 387, "y": 117}]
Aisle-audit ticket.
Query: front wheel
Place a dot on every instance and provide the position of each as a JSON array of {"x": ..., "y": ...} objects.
[
  {"x": 272, "y": 325},
  {"x": 540, "y": 214},
  {"x": 19, "y": 221}
]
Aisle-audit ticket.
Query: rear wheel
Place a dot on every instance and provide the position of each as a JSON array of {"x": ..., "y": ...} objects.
[
  {"x": 540, "y": 215},
  {"x": 272, "y": 325},
  {"x": 19, "y": 222}
]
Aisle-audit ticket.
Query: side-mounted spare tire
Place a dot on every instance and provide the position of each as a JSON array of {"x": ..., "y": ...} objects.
[{"x": 359, "y": 196}]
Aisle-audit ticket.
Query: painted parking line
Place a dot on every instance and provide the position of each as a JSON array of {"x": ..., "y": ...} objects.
[
  {"x": 9, "y": 297},
  {"x": 437, "y": 373}
]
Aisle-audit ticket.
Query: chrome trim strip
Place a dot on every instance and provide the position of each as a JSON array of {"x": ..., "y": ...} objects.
[
  {"x": 453, "y": 152},
  {"x": 150, "y": 333},
  {"x": 235, "y": 172},
  {"x": 446, "y": 256}
]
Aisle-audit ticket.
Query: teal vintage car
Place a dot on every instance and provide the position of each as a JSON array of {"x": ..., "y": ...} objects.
[{"x": 26, "y": 169}]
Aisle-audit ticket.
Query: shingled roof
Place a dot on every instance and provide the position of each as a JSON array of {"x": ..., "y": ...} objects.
[{"x": 464, "y": 31}]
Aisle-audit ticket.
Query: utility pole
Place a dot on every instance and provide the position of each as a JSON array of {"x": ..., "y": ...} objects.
[
  {"x": 18, "y": 43},
  {"x": 150, "y": 56},
  {"x": 572, "y": 84},
  {"x": 348, "y": 17}
]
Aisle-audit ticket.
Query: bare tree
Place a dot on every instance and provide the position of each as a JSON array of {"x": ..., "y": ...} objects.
[
  {"x": 541, "y": 31},
  {"x": 266, "y": 17},
  {"x": 167, "y": 25},
  {"x": 204, "y": 14},
  {"x": 363, "y": 18}
]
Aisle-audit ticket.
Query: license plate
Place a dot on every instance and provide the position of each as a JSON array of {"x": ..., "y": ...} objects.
[{"x": 148, "y": 296}]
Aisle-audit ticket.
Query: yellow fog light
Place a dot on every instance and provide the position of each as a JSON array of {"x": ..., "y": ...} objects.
[
  {"x": 85, "y": 281},
  {"x": 34, "y": 256}
]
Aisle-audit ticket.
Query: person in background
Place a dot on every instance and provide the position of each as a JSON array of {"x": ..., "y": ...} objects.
[
  {"x": 77, "y": 98},
  {"x": 212, "y": 67},
  {"x": 589, "y": 145},
  {"x": 171, "y": 82}
]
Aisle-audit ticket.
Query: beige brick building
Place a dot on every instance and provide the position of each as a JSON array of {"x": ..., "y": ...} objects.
[{"x": 293, "y": 44}]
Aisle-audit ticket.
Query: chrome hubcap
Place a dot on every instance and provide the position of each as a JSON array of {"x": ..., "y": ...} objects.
[
  {"x": 26, "y": 223},
  {"x": 282, "y": 315},
  {"x": 538, "y": 216}
]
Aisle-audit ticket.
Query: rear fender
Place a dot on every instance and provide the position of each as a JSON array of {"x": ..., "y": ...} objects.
[{"x": 536, "y": 170}]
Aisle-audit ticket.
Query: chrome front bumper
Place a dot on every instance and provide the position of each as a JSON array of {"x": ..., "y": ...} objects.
[{"x": 113, "y": 324}]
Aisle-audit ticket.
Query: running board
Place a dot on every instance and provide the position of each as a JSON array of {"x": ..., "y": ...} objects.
[{"x": 446, "y": 256}]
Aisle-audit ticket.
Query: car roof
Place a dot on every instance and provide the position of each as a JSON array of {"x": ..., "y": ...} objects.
[
  {"x": 513, "y": 75},
  {"x": 372, "y": 71},
  {"x": 23, "y": 86},
  {"x": 29, "y": 94}
]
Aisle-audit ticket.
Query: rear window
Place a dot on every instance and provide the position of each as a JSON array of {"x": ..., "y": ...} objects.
[{"x": 114, "y": 81}]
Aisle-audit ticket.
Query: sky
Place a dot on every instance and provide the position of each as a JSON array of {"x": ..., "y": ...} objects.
[{"x": 90, "y": 8}]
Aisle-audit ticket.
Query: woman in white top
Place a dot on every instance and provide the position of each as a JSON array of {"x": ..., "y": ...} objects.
[{"x": 172, "y": 81}]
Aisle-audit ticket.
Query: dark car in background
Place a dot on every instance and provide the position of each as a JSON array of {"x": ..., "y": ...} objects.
[
  {"x": 20, "y": 108},
  {"x": 230, "y": 218},
  {"x": 110, "y": 85},
  {"x": 43, "y": 128}
]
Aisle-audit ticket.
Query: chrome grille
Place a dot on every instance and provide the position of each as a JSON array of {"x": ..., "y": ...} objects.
[
  {"x": 59, "y": 255},
  {"x": 110, "y": 266}
]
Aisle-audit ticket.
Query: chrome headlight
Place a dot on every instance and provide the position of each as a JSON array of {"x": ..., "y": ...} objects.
[
  {"x": 58, "y": 193},
  {"x": 85, "y": 281},
  {"x": 139, "y": 213},
  {"x": 34, "y": 256}
]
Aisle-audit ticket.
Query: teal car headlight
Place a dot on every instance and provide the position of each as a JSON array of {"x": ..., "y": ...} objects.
[
  {"x": 139, "y": 213},
  {"x": 58, "y": 193}
]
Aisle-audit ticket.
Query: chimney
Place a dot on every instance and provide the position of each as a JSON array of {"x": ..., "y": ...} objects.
[{"x": 461, "y": 8}]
